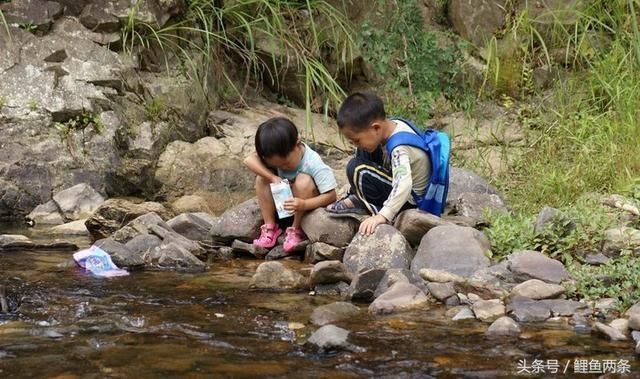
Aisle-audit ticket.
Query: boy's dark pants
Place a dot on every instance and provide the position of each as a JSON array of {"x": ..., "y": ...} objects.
[{"x": 370, "y": 180}]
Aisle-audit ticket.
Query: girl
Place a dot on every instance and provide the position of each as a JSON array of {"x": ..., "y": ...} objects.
[{"x": 281, "y": 155}]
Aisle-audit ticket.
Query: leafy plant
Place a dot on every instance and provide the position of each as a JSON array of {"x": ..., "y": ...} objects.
[
  {"x": 154, "y": 109},
  {"x": 33, "y": 105},
  {"x": 509, "y": 233},
  {"x": 28, "y": 26},
  {"x": 80, "y": 123},
  {"x": 3, "y": 101}
]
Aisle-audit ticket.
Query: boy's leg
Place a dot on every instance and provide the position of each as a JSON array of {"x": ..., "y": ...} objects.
[
  {"x": 370, "y": 182},
  {"x": 265, "y": 200},
  {"x": 305, "y": 188}
]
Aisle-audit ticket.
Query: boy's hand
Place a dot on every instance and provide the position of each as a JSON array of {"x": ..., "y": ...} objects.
[
  {"x": 368, "y": 226},
  {"x": 294, "y": 204}
]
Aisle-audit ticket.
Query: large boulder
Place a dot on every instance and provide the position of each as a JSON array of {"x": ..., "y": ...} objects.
[
  {"x": 73, "y": 228},
  {"x": 456, "y": 249},
  {"x": 192, "y": 225},
  {"x": 319, "y": 226},
  {"x": 401, "y": 296},
  {"x": 621, "y": 238},
  {"x": 190, "y": 204},
  {"x": 240, "y": 222},
  {"x": 477, "y": 20},
  {"x": 414, "y": 224},
  {"x": 386, "y": 248},
  {"x": 529, "y": 264},
  {"x": 174, "y": 256},
  {"x": 113, "y": 214},
  {"x": 38, "y": 14},
  {"x": 275, "y": 276},
  {"x": 108, "y": 16},
  {"x": 475, "y": 205},
  {"x": 464, "y": 181},
  {"x": 46, "y": 214},
  {"x": 120, "y": 254},
  {"x": 78, "y": 202}
]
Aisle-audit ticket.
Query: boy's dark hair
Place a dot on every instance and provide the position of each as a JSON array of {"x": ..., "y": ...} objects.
[
  {"x": 276, "y": 136},
  {"x": 359, "y": 110}
]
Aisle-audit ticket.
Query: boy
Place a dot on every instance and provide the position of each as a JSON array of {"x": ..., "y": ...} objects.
[{"x": 380, "y": 187}]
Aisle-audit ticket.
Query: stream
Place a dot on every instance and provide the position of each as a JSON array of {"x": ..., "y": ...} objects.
[{"x": 167, "y": 324}]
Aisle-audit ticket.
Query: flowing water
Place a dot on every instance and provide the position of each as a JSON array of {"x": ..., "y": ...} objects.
[{"x": 167, "y": 324}]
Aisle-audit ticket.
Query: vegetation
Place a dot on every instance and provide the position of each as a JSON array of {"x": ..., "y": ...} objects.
[
  {"x": 154, "y": 109},
  {"x": 80, "y": 123},
  {"x": 3, "y": 101},
  {"x": 268, "y": 38},
  {"x": 412, "y": 69},
  {"x": 33, "y": 105}
]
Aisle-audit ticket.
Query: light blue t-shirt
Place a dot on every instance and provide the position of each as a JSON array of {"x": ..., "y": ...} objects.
[{"x": 312, "y": 165}]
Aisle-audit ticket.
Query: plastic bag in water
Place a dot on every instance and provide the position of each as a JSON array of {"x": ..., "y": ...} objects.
[
  {"x": 281, "y": 192},
  {"x": 98, "y": 262}
]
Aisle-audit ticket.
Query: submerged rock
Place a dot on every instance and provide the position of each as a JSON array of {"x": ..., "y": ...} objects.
[
  {"x": 464, "y": 314},
  {"x": 330, "y": 337},
  {"x": 527, "y": 310},
  {"x": 456, "y": 249},
  {"x": 363, "y": 285},
  {"x": 386, "y": 248},
  {"x": 120, "y": 254},
  {"x": 607, "y": 331},
  {"x": 172, "y": 255},
  {"x": 319, "y": 226},
  {"x": 274, "y": 276},
  {"x": 399, "y": 297},
  {"x": 330, "y": 313},
  {"x": 328, "y": 272},
  {"x": 503, "y": 327}
]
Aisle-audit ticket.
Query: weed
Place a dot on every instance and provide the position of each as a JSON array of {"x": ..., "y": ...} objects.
[
  {"x": 154, "y": 109},
  {"x": 33, "y": 105},
  {"x": 3, "y": 101},
  {"x": 80, "y": 123},
  {"x": 28, "y": 26}
]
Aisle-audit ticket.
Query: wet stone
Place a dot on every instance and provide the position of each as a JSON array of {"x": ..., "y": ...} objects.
[
  {"x": 120, "y": 254},
  {"x": 561, "y": 307},
  {"x": 328, "y": 272},
  {"x": 330, "y": 337},
  {"x": 634, "y": 322},
  {"x": 622, "y": 324},
  {"x": 400, "y": 297},
  {"x": 464, "y": 314},
  {"x": 320, "y": 251},
  {"x": 336, "y": 289},
  {"x": 526, "y": 310},
  {"x": 334, "y": 312},
  {"x": 364, "y": 284},
  {"x": 249, "y": 248},
  {"x": 488, "y": 310},
  {"x": 396, "y": 275},
  {"x": 503, "y": 327},
  {"x": 611, "y": 333},
  {"x": 452, "y": 301},
  {"x": 279, "y": 253},
  {"x": 636, "y": 335},
  {"x": 274, "y": 276},
  {"x": 441, "y": 291}
]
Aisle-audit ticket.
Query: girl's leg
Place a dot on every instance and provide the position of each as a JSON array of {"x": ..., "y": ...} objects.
[
  {"x": 265, "y": 200},
  {"x": 305, "y": 188}
]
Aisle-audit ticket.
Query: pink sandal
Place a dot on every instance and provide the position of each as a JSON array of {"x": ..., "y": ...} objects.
[
  {"x": 269, "y": 234},
  {"x": 293, "y": 238}
]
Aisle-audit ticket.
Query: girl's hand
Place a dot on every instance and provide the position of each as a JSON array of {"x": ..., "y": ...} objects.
[
  {"x": 276, "y": 179},
  {"x": 295, "y": 204},
  {"x": 368, "y": 226}
]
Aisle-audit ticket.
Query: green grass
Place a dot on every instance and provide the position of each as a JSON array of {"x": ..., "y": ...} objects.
[{"x": 217, "y": 43}]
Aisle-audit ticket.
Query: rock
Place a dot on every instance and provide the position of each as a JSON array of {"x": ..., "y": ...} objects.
[
  {"x": 635, "y": 309},
  {"x": 384, "y": 249},
  {"x": 477, "y": 20},
  {"x": 397, "y": 275},
  {"x": 250, "y": 248},
  {"x": 279, "y": 253},
  {"x": 330, "y": 337},
  {"x": 621, "y": 324},
  {"x": 529, "y": 264},
  {"x": 612, "y": 333},
  {"x": 15, "y": 242},
  {"x": 46, "y": 214},
  {"x": 328, "y": 272},
  {"x": 441, "y": 291},
  {"x": 414, "y": 224},
  {"x": 149, "y": 223},
  {"x": 334, "y": 312},
  {"x": 40, "y": 14},
  {"x": 340, "y": 289},
  {"x": 561, "y": 307},
  {"x": 596, "y": 259},
  {"x": 440, "y": 276},
  {"x": 480, "y": 289},
  {"x": 190, "y": 204},
  {"x": 456, "y": 249},
  {"x": 617, "y": 239},
  {"x": 320, "y": 227},
  {"x": 605, "y": 304},
  {"x": 475, "y": 205},
  {"x": 240, "y": 222},
  {"x": 621, "y": 202},
  {"x": 174, "y": 256},
  {"x": 464, "y": 314},
  {"x": 634, "y": 322},
  {"x": 537, "y": 289},
  {"x": 71, "y": 27},
  {"x": 527, "y": 310},
  {"x": 503, "y": 327},
  {"x": 222, "y": 253},
  {"x": 638, "y": 348},
  {"x": 142, "y": 243},
  {"x": 319, "y": 251},
  {"x": 462, "y": 180},
  {"x": 191, "y": 226},
  {"x": 74, "y": 228},
  {"x": 497, "y": 275},
  {"x": 114, "y": 214},
  {"x": 452, "y": 301},
  {"x": 364, "y": 284},
  {"x": 120, "y": 254},
  {"x": 78, "y": 202},
  {"x": 553, "y": 224},
  {"x": 401, "y": 296},
  {"x": 635, "y": 335},
  {"x": 488, "y": 310},
  {"x": 274, "y": 276}
]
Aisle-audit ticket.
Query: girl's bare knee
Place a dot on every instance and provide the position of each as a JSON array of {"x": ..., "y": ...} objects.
[{"x": 304, "y": 186}]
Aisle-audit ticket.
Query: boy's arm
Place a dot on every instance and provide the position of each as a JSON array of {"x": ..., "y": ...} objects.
[
  {"x": 402, "y": 183},
  {"x": 254, "y": 164}
]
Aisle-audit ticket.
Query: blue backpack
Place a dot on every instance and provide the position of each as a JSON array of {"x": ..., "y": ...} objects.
[{"x": 437, "y": 146}]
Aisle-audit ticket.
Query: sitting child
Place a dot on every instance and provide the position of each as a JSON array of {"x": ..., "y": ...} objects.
[
  {"x": 380, "y": 187},
  {"x": 281, "y": 155}
]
